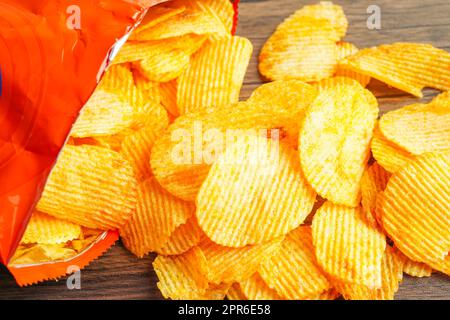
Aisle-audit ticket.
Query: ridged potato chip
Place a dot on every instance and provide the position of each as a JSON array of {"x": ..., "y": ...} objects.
[
  {"x": 187, "y": 22},
  {"x": 334, "y": 142},
  {"x": 91, "y": 186},
  {"x": 304, "y": 46},
  {"x": 413, "y": 268},
  {"x": 419, "y": 128},
  {"x": 293, "y": 271},
  {"x": 389, "y": 155},
  {"x": 415, "y": 208},
  {"x": 442, "y": 265},
  {"x": 332, "y": 83},
  {"x": 215, "y": 292},
  {"x": 254, "y": 192},
  {"x": 406, "y": 66},
  {"x": 374, "y": 181},
  {"x": 183, "y": 238},
  {"x": 254, "y": 288},
  {"x": 226, "y": 264},
  {"x": 344, "y": 50},
  {"x": 348, "y": 248},
  {"x": 182, "y": 277},
  {"x": 158, "y": 214},
  {"x": 215, "y": 75},
  {"x": 136, "y": 148},
  {"x": 235, "y": 293},
  {"x": 392, "y": 275},
  {"x": 45, "y": 229},
  {"x": 105, "y": 113},
  {"x": 168, "y": 91},
  {"x": 294, "y": 96},
  {"x": 222, "y": 10},
  {"x": 155, "y": 16},
  {"x": 180, "y": 163}
]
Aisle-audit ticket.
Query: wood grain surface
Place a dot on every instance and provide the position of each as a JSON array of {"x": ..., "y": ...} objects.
[{"x": 119, "y": 275}]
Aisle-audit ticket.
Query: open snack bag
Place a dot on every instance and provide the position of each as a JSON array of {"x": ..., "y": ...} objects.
[{"x": 77, "y": 109}]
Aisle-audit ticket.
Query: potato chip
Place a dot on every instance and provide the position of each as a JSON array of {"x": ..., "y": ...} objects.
[
  {"x": 292, "y": 95},
  {"x": 235, "y": 293},
  {"x": 215, "y": 76},
  {"x": 293, "y": 271},
  {"x": 91, "y": 186},
  {"x": 389, "y": 155},
  {"x": 418, "y": 128},
  {"x": 332, "y": 83},
  {"x": 392, "y": 275},
  {"x": 182, "y": 157},
  {"x": 158, "y": 214},
  {"x": 344, "y": 50},
  {"x": 104, "y": 114},
  {"x": 374, "y": 181},
  {"x": 155, "y": 16},
  {"x": 182, "y": 277},
  {"x": 254, "y": 192},
  {"x": 221, "y": 10},
  {"x": 187, "y": 22},
  {"x": 442, "y": 265},
  {"x": 347, "y": 246},
  {"x": 113, "y": 142},
  {"x": 168, "y": 91},
  {"x": 226, "y": 264},
  {"x": 136, "y": 148},
  {"x": 406, "y": 66},
  {"x": 215, "y": 292},
  {"x": 254, "y": 288},
  {"x": 334, "y": 142},
  {"x": 304, "y": 46},
  {"x": 326, "y": 10},
  {"x": 415, "y": 208},
  {"x": 183, "y": 238},
  {"x": 413, "y": 268},
  {"x": 45, "y": 229}
]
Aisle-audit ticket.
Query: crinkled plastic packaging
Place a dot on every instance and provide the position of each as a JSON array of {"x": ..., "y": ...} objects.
[{"x": 52, "y": 56}]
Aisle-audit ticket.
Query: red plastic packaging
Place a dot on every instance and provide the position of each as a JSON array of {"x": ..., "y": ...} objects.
[{"x": 52, "y": 56}]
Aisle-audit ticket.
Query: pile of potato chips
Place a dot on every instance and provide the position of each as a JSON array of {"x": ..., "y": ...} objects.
[{"x": 300, "y": 192}]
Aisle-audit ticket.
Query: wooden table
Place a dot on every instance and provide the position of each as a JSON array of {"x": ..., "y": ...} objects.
[{"x": 119, "y": 275}]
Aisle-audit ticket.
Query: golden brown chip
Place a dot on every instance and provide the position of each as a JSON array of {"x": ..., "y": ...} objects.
[
  {"x": 91, "y": 186},
  {"x": 413, "y": 268},
  {"x": 136, "y": 148},
  {"x": 392, "y": 275},
  {"x": 415, "y": 208},
  {"x": 182, "y": 276},
  {"x": 293, "y": 271},
  {"x": 334, "y": 141},
  {"x": 406, "y": 66},
  {"x": 374, "y": 181},
  {"x": 169, "y": 97},
  {"x": 419, "y": 128},
  {"x": 442, "y": 265},
  {"x": 158, "y": 214},
  {"x": 221, "y": 10},
  {"x": 293, "y": 96},
  {"x": 215, "y": 76},
  {"x": 389, "y": 155},
  {"x": 156, "y": 15},
  {"x": 235, "y": 293},
  {"x": 254, "y": 192},
  {"x": 183, "y": 238},
  {"x": 226, "y": 264},
  {"x": 346, "y": 49},
  {"x": 254, "y": 288},
  {"x": 45, "y": 229},
  {"x": 347, "y": 246},
  {"x": 304, "y": 46},
  {"x": 215, "y": 292},
  {"x": 187, "y": 22},
  {"x": 104, "y": 114},
  {"x": 182, "y": 157}
]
